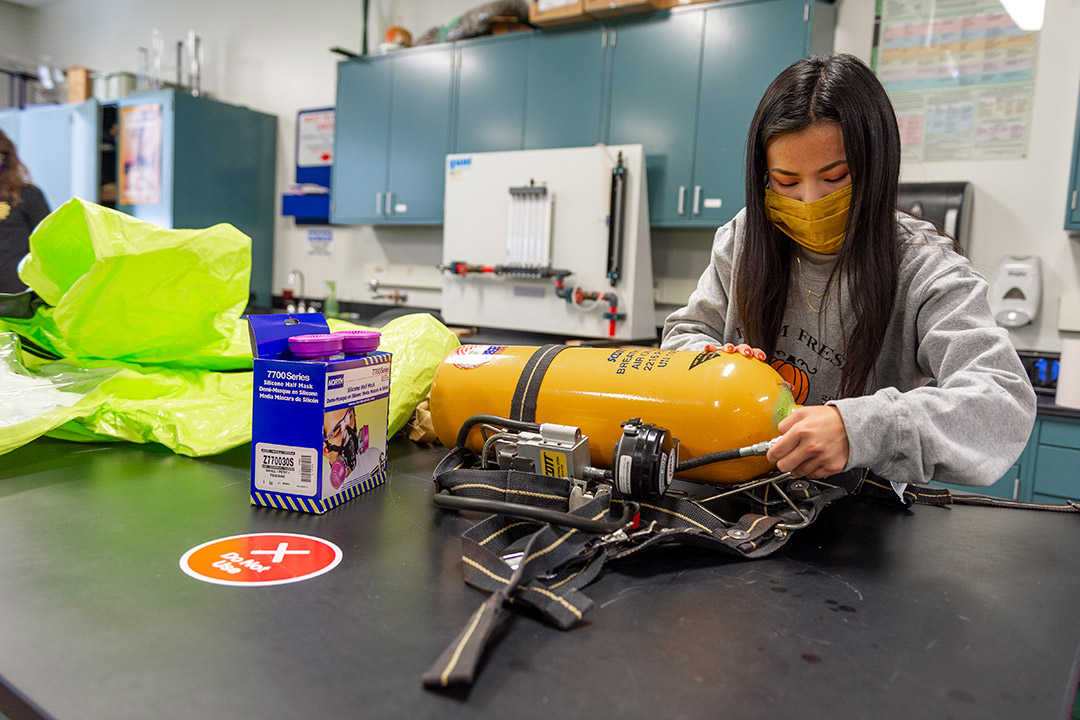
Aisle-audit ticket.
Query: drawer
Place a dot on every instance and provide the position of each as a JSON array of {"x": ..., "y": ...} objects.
[
  {"x": 1056, "y": 471},
  {"x": 1061, "y": 433},
  {"x": 1007, "y": 487},
  {"x": 1051, "y": 499}
]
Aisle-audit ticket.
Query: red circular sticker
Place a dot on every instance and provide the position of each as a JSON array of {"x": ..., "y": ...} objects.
[{"x": 260, "y": 559}]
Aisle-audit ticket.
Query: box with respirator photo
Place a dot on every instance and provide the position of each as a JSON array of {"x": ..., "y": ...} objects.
[{"x": 319, "y": 412}]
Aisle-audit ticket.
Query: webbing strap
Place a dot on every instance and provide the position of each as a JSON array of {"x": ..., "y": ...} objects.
[
  {"x": 874, "y": 486},
  {"x": 555, "y": 563},
  {"x": 523, "y": 404},
  {"x": 543, "y": 578}
]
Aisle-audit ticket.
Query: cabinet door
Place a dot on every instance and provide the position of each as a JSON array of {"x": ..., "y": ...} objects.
[
  {"x": 1072, "y": 202},
  {"x": 419, "y": 135},
  {"x": 746, "y": 46},
  {"x": 564, "y": 91},
  {"x": 58, "y": 144},
  {"x": 654, "y": 87},
  {"x": 491, "y": 94},
  {"x": 361, "y": 129}
]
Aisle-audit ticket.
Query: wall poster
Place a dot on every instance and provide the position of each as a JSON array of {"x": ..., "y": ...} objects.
[
  {"x": 961, "y": 76},
  {"x": 140, "y": 155}
]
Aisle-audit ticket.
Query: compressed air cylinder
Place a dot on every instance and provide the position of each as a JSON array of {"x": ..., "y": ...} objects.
[{"x": 709, "y": 401}]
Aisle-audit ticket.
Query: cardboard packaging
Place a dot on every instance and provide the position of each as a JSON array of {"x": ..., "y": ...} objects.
[
  {"x": 551, "y": 13},
  {"x": 318, "y": 425},
  {"x": 79, "y": 85},
  {"x": 612, "y": 8}
]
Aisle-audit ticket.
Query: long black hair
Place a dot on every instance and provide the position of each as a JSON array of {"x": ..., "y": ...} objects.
[
  {"x": 841, "y": 89},
  {"x": 13, "y": 174}
]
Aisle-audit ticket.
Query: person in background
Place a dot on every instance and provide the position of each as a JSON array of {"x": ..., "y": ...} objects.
[
  {"x": 22, "y": 207},
  {"x": 874, "y": 318}
]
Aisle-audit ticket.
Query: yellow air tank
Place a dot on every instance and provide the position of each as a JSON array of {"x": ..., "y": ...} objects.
[{"x": 710, "y": 401}]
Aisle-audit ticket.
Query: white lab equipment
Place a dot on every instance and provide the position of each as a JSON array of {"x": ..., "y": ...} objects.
[{"x": 550, "y": 241}]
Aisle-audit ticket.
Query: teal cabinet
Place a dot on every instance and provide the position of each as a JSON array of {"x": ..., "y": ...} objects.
[
  {"x": 656, "y": 66},
  {"x": 419, "y": 136},
  {"x": 1057, "y": 457},
  {"x": 686, "y": 86},
  {"x": 58, "y": 146},
  {"x": 361, "y": 150},
  {"x": 1047, "y": 469},
  {"x": 1072, "y": 205},
  {"x": 212, "y": 162},
  {"x": 735, "y": 74},
  {"x": 391, "y": 135},
  {"x": 683, "y": 83},
  {"x": 565, "y": 88},
  {"x": 490, "y": 94}
]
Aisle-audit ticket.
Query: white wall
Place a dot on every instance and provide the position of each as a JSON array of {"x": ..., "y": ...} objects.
[
  {"x": 273, "y": 55},
  {"x": 15, "y": 47},
  {"x": 1019, "y": 204}
]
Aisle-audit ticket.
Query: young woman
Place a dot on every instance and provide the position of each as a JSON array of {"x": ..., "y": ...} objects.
[
  {"x": 22, "y": 207},
  {"x": 880, "y": 325}
]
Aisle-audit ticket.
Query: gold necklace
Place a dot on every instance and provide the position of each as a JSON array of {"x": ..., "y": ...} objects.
[{"x": 823, "y": 297}]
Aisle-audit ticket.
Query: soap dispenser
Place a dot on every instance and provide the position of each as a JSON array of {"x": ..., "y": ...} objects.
[{"x": 1014, "y": 298}]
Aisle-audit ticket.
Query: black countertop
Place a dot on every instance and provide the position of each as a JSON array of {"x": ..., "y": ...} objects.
[{"x": 873, "y": 611}]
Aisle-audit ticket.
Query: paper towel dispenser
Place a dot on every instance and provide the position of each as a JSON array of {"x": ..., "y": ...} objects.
[{"x": 946, "y": 204}]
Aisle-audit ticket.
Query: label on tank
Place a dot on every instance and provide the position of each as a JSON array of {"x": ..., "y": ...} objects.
[
  {"x": 625, "y": 361},
  {"x": 472, "y": 356}
]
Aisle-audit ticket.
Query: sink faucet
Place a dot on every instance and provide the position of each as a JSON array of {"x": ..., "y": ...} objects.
[{"x": 294, "y": 277}]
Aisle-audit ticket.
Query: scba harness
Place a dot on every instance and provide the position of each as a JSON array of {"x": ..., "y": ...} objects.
[{"x": 550, "y": 537}]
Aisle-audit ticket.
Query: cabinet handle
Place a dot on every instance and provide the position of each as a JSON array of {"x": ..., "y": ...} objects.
[
  {"x": 682, "y": 199},
  {"x": 697, "y": 199},
  {"x": 1074, "y": 200},
  {"x": 378, "y": 203},
  {"x": 389, "y": 204},
  {"x": 612, "y": 37}
]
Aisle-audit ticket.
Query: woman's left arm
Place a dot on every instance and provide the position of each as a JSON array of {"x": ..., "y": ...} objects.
[{"x": 972, "y": 422}]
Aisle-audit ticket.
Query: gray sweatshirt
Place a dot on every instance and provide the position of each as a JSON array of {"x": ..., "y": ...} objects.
[{"x": 948, "y": 400}]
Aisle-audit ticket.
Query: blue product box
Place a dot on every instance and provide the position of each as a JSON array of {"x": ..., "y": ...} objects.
[{"x": 318, "y": 426}]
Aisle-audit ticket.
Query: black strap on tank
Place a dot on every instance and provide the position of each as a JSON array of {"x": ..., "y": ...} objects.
[{"x": 523, "y": 404}]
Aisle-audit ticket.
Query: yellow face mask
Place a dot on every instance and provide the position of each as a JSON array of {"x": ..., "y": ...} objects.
[{"x": 818, "y": 225}]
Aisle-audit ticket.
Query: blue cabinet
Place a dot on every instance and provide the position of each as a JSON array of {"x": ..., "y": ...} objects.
[
  {"x": 489, "y": 95},
  {"x": 684, "y": 83},
  {"x": 361, "y": 129},
  {"x": 1047, "y": 469},
  {"x": 213, "y": 163},
  {"x": 1072, "y": 205},
  {"x": 392, "y": 133},
  {"x": 655, "y": 74},
  {"x": 565, "y": 88},
  {"x": 1056, "y": 459},
  {"x": 58, "y": 145},
  {"x": 735, "y": 74},
  {"x": 686, "y": 86}
]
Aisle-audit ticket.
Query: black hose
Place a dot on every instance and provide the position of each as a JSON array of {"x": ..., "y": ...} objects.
[
  {"x": 708, "y": 459},
  {"x": 463, "y": 434},
  {"x": 554, "y": 517}
]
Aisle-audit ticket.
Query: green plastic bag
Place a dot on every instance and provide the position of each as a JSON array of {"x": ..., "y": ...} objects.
[
  {"x": 147, "y": 321},
  {"x": 120, "y": 288},
  {"x": 34, "y": 402}
]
